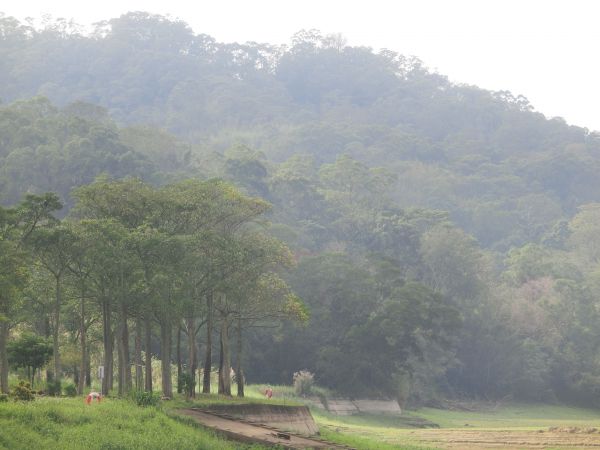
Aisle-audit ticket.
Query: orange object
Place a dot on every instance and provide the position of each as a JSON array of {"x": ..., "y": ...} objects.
[{"x": 93, "y": 396}]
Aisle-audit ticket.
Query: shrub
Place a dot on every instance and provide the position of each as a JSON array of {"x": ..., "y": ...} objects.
[
  {"x": 22, "y": 391},
  {"x": 186, "y": 383},
  {"x": 143, "y": 398},
  {"x": 303, "y": 383},
  {"x": 71, "y": 390},
  {"x": 3, "y": 398},
  {"x": 54, "y": 388}
]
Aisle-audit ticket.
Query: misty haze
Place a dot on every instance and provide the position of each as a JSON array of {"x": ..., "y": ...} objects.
[{"x": 318, "y": 244}]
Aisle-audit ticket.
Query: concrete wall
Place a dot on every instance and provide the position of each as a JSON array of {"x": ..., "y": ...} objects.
[
  {"x": 296, "y": 419},
  {"x": 345, "y": 407},
  {"x": 378, "y": 406},
  {"x": 341, "y": 407}
]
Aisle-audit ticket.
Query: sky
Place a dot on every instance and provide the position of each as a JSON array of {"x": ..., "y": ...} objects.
[{"x": 546, "y": 50}]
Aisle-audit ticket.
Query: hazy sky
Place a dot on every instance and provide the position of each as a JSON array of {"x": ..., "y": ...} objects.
[{"x": 547, "y": 50}]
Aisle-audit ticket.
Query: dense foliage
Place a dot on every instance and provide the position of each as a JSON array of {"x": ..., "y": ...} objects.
[{"x": 445, "y": 236}]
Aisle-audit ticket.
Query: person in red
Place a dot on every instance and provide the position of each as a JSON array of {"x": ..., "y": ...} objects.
[
  {"x": 93, "y": 396},
  {"x": 269, "y": 392}
]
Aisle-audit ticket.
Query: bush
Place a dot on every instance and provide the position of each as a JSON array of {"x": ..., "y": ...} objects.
[
  {"x": 23, "y": 392},
  {"x": 54, "y": 388},
  {"x": 186, "y": 383},
  {"x": 143, "y": 398},
  {"x": 3, "y": 398},
  {"x": 303, "y": 383},
  {"x": 71, "y": 390}
]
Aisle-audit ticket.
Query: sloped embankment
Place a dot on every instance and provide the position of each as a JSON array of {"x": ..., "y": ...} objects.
[{"x": 296, "y": 419}]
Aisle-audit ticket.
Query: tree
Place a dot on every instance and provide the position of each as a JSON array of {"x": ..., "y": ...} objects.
[
  {"x": 250, "y": 293},
  {"x": 31, "y": 352},
  {"x": 52, "y": 248},
  {"x": 16, "y": 227},
  {"x": 263, "y": 302},
  {"x": 82, "y": 262},
  {"x": 13, "y": 278}
]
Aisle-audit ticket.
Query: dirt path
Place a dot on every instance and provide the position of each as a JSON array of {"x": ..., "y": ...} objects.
[
  {"x": 508, "y": 439},
  {"x": 254, "y": 433}
]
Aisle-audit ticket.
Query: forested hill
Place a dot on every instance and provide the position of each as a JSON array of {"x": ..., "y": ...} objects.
[
  {"x": 453, "y": 228},
  {"x": 505, "y": 173}
]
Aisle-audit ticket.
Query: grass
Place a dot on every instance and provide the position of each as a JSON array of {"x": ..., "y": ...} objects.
[
  {"x": 367, "y": 431},
  {"x": 515, "y": 416},
  {"x": 329, "y": 424},
  {"x": 253, "y": 395},
  {"x": 367, "y": 442},
  {"x": 70, "y": 424}
]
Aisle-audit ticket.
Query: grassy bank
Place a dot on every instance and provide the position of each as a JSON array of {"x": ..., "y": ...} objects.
[{"x": 70, "y": 424}]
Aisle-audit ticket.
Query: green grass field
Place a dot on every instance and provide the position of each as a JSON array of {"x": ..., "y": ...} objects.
[
  {"x": 529, "y": 424},
  {"x": 515, "y": 415},
  {"x": 70, "y": 424},
  {"x": 367, "y": 431}
]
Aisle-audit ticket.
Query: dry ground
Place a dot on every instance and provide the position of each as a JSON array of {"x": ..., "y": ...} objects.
[{"x": 508, "y": 439}]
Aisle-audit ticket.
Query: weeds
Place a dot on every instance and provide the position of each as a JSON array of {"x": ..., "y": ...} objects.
[{"x": 143, "y": 398}]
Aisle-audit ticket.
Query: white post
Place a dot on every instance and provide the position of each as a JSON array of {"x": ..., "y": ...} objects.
[{"x": 101, "y": 376}]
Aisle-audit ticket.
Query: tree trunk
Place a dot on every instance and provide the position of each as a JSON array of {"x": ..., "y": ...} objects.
[
  {"x": 148, "y": 354},
  {"x": 178, "y": 356},
  {"x": 120, "y": 367},
  {"x": 221, "y": 388},
  {"x": 107, "y": 340},
  {"x": 81, "y": 381},
  {"x": 126, "y": 355},
  {"x": 124, "y": 359},
  {"x": 198, "y": 364},
  {"x": 225, "y": 371},
  {"x": 191, "y": 326},
  {"x": 56, "y": 350},
  {"x": 238, "y": 367},
  {"x": 88, "y": 369},
  {"x": 46, "y": 329},
  {"x": 165, "y": 350},
  {"x": 139, "y": 374},
  {"x": 3, "y": 357},
  {"x": 111, "y": 362},
  {"x": 208, "y": 357}
]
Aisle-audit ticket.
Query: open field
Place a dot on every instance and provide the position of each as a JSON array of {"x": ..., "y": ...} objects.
[
  {"x": 506, "y": 427},
  {"x": 67, "y": 423}
]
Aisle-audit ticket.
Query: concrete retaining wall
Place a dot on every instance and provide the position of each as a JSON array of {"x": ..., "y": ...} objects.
[
  {"x": 345, "y": 407},
  {"x": 296, "y": 419},
  {"x": 378, "y": 407},
  {"x": 341, "y": 407}
]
